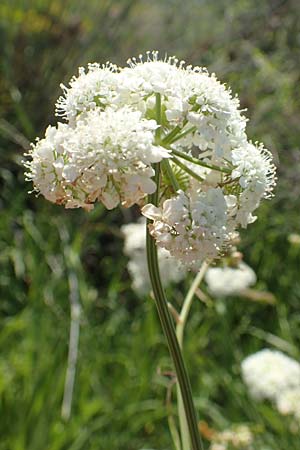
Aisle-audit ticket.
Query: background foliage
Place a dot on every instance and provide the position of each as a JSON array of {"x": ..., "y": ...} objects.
[{"x": 119, "y": 397}]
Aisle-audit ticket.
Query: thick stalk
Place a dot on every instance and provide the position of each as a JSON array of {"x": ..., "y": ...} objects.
[
  {"x": 179, "y": 333},
  {"x": 169, "y": 329}
]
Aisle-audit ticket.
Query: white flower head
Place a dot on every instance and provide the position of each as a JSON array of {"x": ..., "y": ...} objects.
[
  {"x": 268, "y": 373},
  {"x": 255, "y": 172},
  {"x": 120, "y": 121},
  {"x": 191, "y": 226},
  {"x": 107, "y": 156},
  {"x": 190, "y": 97},
  {"x": 224, "y": 281},
  {"x": 93, "y": 88}
]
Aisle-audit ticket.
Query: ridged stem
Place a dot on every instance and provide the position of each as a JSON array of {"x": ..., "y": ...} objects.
[{"x": 169, "y": 329}]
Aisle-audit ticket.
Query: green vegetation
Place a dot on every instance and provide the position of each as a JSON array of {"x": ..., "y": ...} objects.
[{"x": 46, "y": 252}]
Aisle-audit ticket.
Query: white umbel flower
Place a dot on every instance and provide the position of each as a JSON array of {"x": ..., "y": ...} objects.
[
  {"x": 255, "y": 172},
  {"x": 120, "y": 121},
  {"x": 191, "y": 226},
  {"x": 268, "y": 373},
  {"x": 190, "y": 95},
  {"x": 107, "y": 156},
  {"x": 45, "y": 168},
  {"x": 93, "y": 88},
  {"x": 224, "y": 281},
  {"x": 135, "y": 248}
]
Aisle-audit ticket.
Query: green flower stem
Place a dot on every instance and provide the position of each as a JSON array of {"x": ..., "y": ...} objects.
[
  {"x": 188, "y": 303},
  {"x": 73, "y": 346},
  {"x": 162, "y": 305},
  {"x": 170, "y": 174},
  {"x": 179, "y": 333},
  {"x": 183, "y": 424},
  {"x": 174, "y": 432},
  {"x": 187, "y": 169},
  {"x": 180, "y": 136},
  {"x": 158, "y": 115},
  {"x": 168, "y": 138},
  {"x": 173, "y": 135},
  {"x": 199, "y": 162},
  {"x": 171, "y": 421},
  {"x": 169, "y": 329}
]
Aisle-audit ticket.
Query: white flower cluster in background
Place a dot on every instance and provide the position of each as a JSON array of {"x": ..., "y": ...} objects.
[
  {"x": 135, "y": 248},
  {"x": 288, "y": 402},
  {"x": 227, "y": 280},
  {"x": 238, "y": 437},
  {"x": 120, "y": 121},
  {"x": 270, "y": 374}
]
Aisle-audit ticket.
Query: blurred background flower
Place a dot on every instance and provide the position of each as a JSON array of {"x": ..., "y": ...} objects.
[{"x": 171, "y": 270}]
